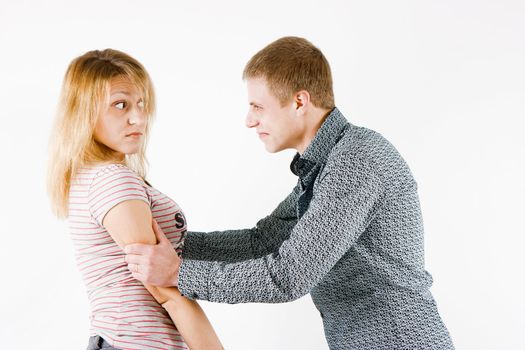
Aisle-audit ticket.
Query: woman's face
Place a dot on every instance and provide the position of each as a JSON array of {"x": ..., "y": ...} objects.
[{"x": 122, "y": 122}]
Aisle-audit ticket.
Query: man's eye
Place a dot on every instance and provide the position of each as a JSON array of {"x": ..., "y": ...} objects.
[{"x": 120, "y": 105}]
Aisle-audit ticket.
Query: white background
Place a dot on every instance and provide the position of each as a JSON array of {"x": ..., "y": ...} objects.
[{"x": 443, "y": 80}]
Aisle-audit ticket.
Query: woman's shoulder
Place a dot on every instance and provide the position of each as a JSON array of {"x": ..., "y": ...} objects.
[
  {"x": 113, "y": 174},
  {"x": 110, "y": 170}
]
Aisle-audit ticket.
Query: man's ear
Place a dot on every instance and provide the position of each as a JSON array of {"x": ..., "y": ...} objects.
[{"x": 301, "y": 101}]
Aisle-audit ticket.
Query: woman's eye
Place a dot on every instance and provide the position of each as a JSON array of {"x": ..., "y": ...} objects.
[
  {"x": 141, "y": 104},
  {"x": 120, "y": 105}
]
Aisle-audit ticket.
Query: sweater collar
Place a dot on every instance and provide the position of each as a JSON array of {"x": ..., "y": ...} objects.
[{"x": 318, "y": 150}]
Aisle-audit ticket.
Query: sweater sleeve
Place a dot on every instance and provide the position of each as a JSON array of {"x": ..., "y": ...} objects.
[
  {"x": 112, "y": 185},
  {"x": 341, "y": 208},
  {"x": 238, "y": 245}
]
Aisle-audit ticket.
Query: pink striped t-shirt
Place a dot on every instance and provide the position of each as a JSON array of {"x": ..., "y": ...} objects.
[{"x": 123, "y": 312}]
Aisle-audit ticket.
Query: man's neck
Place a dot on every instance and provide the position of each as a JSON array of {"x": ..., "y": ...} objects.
[{"x": 313, "y": 123}]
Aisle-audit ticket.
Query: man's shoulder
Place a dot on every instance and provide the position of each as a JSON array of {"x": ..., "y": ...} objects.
[
  {"x": 364, "y": 150},
  {"x": 362, "y": 143}
]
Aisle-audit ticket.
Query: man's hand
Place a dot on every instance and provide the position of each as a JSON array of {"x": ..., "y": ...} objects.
[{"x": 158, "y": 264}]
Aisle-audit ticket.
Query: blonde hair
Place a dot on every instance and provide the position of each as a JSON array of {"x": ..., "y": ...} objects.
[
  {"x": 291, "y": 64},
  {"x": 83, "y": 97}
]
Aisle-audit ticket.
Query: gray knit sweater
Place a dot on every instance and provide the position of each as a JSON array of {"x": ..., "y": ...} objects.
[{"x": 350, "y": 234}]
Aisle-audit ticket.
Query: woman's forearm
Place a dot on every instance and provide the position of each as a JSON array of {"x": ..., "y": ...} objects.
[{"x": 188, "y": 316}]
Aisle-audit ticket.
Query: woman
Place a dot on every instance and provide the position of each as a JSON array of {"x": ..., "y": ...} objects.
[{"x": 96, "y": 181}]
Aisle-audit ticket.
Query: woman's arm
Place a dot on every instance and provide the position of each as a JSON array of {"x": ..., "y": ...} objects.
[
  {"x": 130, "y": 222},
  {"x": 190, "y": 319}
]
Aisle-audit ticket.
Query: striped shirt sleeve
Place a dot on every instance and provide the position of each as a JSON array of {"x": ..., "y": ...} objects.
[{"x": 114, "y": 184}]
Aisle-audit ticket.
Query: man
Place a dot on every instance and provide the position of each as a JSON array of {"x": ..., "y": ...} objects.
[{"x": 350, "y": 233}]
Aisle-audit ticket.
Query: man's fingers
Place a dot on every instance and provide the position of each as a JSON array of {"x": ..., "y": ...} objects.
[
  {"x": 137, "y": 248},
  {"x": 134, "y": 268},
  {"x": 134, "y": 259},
  {"x": 137, "y": 272},
  {"x": 161, "y": 237},
  {"x": 139, "y": 276}
]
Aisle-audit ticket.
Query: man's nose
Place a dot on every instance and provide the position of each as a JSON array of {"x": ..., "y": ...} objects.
[{"x": 251, "y": 121}]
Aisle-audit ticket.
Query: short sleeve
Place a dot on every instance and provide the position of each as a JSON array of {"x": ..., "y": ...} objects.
[{"x": 112, "y": 185}]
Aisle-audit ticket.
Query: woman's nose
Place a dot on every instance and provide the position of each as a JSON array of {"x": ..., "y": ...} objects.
[{"x": 137, "y": 117}]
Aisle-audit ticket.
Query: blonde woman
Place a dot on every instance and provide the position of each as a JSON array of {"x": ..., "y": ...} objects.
[{"x": 96, "y": 181}]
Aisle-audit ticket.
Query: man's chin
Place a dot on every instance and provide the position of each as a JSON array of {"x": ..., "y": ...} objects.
[{"x": 273, "y": 149}]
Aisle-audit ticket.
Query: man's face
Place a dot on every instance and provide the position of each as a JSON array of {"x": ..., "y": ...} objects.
[{"x": 279, "y": 127}]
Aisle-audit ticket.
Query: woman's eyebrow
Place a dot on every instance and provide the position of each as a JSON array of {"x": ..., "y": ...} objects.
[{"x": 120, "y": 92}]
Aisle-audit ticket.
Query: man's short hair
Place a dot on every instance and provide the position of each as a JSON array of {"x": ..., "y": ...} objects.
[{"x": 291, "y": 64}]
